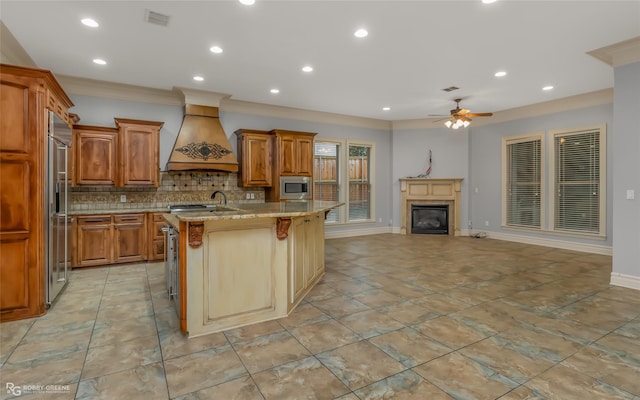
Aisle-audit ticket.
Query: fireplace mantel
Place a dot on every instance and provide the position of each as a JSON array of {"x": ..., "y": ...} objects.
[{"x": 430, "y": 191}]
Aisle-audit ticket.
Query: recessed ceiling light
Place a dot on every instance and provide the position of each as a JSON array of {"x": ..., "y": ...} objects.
[
  {"x": 90, "y": 22},
  {"x": 247, "y": 2},
  {"x": 360, "y": 33},
  {"x": 548, "y": 87},
  {"x": 275, "y": 91},
  {"x": 198, "y": 78},
  {"x": 215, "y": 49},
  {"x": 99, "y": 61},
  {"x": 488, "y": 1},
  {"x": 500, "y": 74},
  {"x": 386, "y": 108},
  {"x": 307, "y": 68}
]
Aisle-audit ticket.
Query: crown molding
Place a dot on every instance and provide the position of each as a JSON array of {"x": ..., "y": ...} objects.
[
  {"x": 604, "y": 96},
  {"x": 11, "y": 52},
  {"x": 176, "y": 97},
  {"x": 621, "y": 53},
  {"x": 119, "y": 91},
  {"x": 245, "y": 107}
]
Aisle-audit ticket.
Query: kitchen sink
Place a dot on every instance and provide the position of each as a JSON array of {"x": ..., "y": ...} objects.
[{"x": 201, "y": 207}]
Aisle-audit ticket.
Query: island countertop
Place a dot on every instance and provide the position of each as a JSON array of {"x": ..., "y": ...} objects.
[{"x": 255, "y": 210}]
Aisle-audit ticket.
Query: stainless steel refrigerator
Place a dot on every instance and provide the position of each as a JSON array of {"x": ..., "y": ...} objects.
[{"x": 58, "y": 222}]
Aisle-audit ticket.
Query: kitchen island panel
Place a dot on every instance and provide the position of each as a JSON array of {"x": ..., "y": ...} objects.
[{"x": 239, "y": 271}]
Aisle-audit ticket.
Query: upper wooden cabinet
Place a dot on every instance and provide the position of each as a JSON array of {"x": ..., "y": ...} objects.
[
  {"x": 138, "y": 152},
  {"x": 255, "y": 158},
  {"x": 95, "y": 159},
  {"x": 294, "y": 152},
  {"x": 25, "y": 96},
  {"x": 125, "y": 156}
]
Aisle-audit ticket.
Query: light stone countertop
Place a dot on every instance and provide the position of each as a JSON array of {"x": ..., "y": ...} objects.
[
  {"x": 254, "y": 210},
  {"x": 119, "y": 211}
]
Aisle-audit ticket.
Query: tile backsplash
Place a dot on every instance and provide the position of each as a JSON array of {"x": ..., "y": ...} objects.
[{"x": 176, "y": 187}]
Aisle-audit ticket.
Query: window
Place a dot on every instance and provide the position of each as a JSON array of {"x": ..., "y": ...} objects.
[
  {"x": 336, "y": 162},
  {"x": 326, "y": 176},
  {"x": 522, "y": 158},
  {"x": 359, "y": 182},
  {"x": 578, "y": 180}
]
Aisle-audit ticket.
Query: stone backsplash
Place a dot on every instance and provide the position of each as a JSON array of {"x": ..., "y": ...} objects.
[{"x": 184, "y": 187}]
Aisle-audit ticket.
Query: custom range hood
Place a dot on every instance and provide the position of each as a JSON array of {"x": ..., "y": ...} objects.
[{"x": 201, "y": 143}]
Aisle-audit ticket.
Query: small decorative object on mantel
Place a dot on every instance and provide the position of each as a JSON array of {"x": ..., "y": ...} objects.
[{"x": 428, "y": 171}]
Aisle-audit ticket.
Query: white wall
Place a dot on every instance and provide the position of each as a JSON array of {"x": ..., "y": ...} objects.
[
  {"x": 381, "y": 138},
  {"x": 101, "y": 112},
  {"x": 626, "y": 176},
  {"x": 486, "y": 175},
  {"x": 450, "y": 159}
]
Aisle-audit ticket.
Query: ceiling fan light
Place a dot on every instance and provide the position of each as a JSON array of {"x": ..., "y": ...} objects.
[
  {"x": 454, "y": 126},
  {"x": 466, "y": 123},
  {"x": 459, "y": 123},
  {"x": 448, "y": 124}
]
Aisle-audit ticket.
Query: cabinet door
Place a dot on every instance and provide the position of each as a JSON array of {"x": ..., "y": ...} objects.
[
  {"x": 139, "y": 152},
  {"x": 297, "y": 281},
  {"x": 287, "y": 156},
  {"x": 255, "y": 159},
  {"x": 94, "y": 240},
  {"x": 95, "y": 155},
  {"x": 304, "y": 147},
  {"x": 22, "y": 199},
  {"x": 130, "y": 237},
  {"x": 156, "y": 237},
  {"x": 318, "y": 238}
]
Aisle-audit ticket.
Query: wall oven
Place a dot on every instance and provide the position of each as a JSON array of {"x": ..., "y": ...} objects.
[{"x": 295, "y": 188}]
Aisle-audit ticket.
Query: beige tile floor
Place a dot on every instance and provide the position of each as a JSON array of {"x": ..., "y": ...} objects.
[{"x": 404, "y": 317}]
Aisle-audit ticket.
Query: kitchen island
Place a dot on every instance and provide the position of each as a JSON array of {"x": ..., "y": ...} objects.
[{"x": 246, "y": 263}]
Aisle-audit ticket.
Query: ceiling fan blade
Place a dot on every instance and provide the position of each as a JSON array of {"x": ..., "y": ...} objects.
[
  {"x": 440, "y": 119},
  {"x": 479, "y": 114},
  {"x": 463, "y": 111}
]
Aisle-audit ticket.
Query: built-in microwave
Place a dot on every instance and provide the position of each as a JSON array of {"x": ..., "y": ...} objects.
[{"x": 295, "y": 188}]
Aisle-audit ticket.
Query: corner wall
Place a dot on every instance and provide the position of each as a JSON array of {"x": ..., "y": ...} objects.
[{"x": 626, "y": 176}]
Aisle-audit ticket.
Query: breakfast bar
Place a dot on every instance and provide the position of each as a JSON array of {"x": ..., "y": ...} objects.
[{"x": 245, "y": 264}]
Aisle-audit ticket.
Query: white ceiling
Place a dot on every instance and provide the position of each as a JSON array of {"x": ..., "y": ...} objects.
[{"x": 414, "y": 49}]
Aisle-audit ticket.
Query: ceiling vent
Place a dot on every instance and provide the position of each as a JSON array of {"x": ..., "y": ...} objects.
[
  {"x": 156, "y": 18},
  {"x": 450, "y": 89}
]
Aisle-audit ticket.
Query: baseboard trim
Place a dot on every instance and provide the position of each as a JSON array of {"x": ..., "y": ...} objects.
[
  {"x": 356, "y": 232},
  {"x": 558, "y": 244},
  {"x": 628, "y": 281}
]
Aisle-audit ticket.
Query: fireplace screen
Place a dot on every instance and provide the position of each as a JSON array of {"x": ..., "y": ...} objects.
[{"x": 429, "y": 218}]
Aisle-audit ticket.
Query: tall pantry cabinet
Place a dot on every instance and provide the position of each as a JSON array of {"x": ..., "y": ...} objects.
[{"x": 26, "y": 97}]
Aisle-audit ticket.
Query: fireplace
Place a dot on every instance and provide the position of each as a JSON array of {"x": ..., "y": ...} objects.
[
  {"x": 430, "y": 219},
  {"x": 430, "y": 192}
]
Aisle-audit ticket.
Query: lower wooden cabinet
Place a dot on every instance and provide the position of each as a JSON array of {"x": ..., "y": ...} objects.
[
  {"x": 94, "y": 240},
  {"x": 306, "y": 257},
  {"x": 111, "y": 238},
  {"x": 157, "y": 237},
  {"x": 130, "y": 237}
]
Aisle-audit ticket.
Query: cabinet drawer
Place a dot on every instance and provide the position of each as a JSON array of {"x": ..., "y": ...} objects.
[
  {"x": 128, "y": 218},
  {"x": 158, "y": 217},
  {"x": 94, "y": 219}
]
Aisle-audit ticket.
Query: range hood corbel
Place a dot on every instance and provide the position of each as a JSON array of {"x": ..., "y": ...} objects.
[{"x": 201, "y": 143}]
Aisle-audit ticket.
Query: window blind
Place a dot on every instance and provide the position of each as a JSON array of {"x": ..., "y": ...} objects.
[
  {"x": 523, "y": 183},
  {"x": 577, "y": 181}
]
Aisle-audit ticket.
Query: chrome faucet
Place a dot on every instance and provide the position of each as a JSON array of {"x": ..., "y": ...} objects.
[{"x": 224, "y": 196}]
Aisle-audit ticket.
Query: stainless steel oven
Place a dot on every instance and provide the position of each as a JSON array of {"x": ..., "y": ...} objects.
[{"x": 295, "y": 188}]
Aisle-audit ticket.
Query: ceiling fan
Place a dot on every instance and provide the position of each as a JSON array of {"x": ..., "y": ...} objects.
[{"x": 461, "y": 117}]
